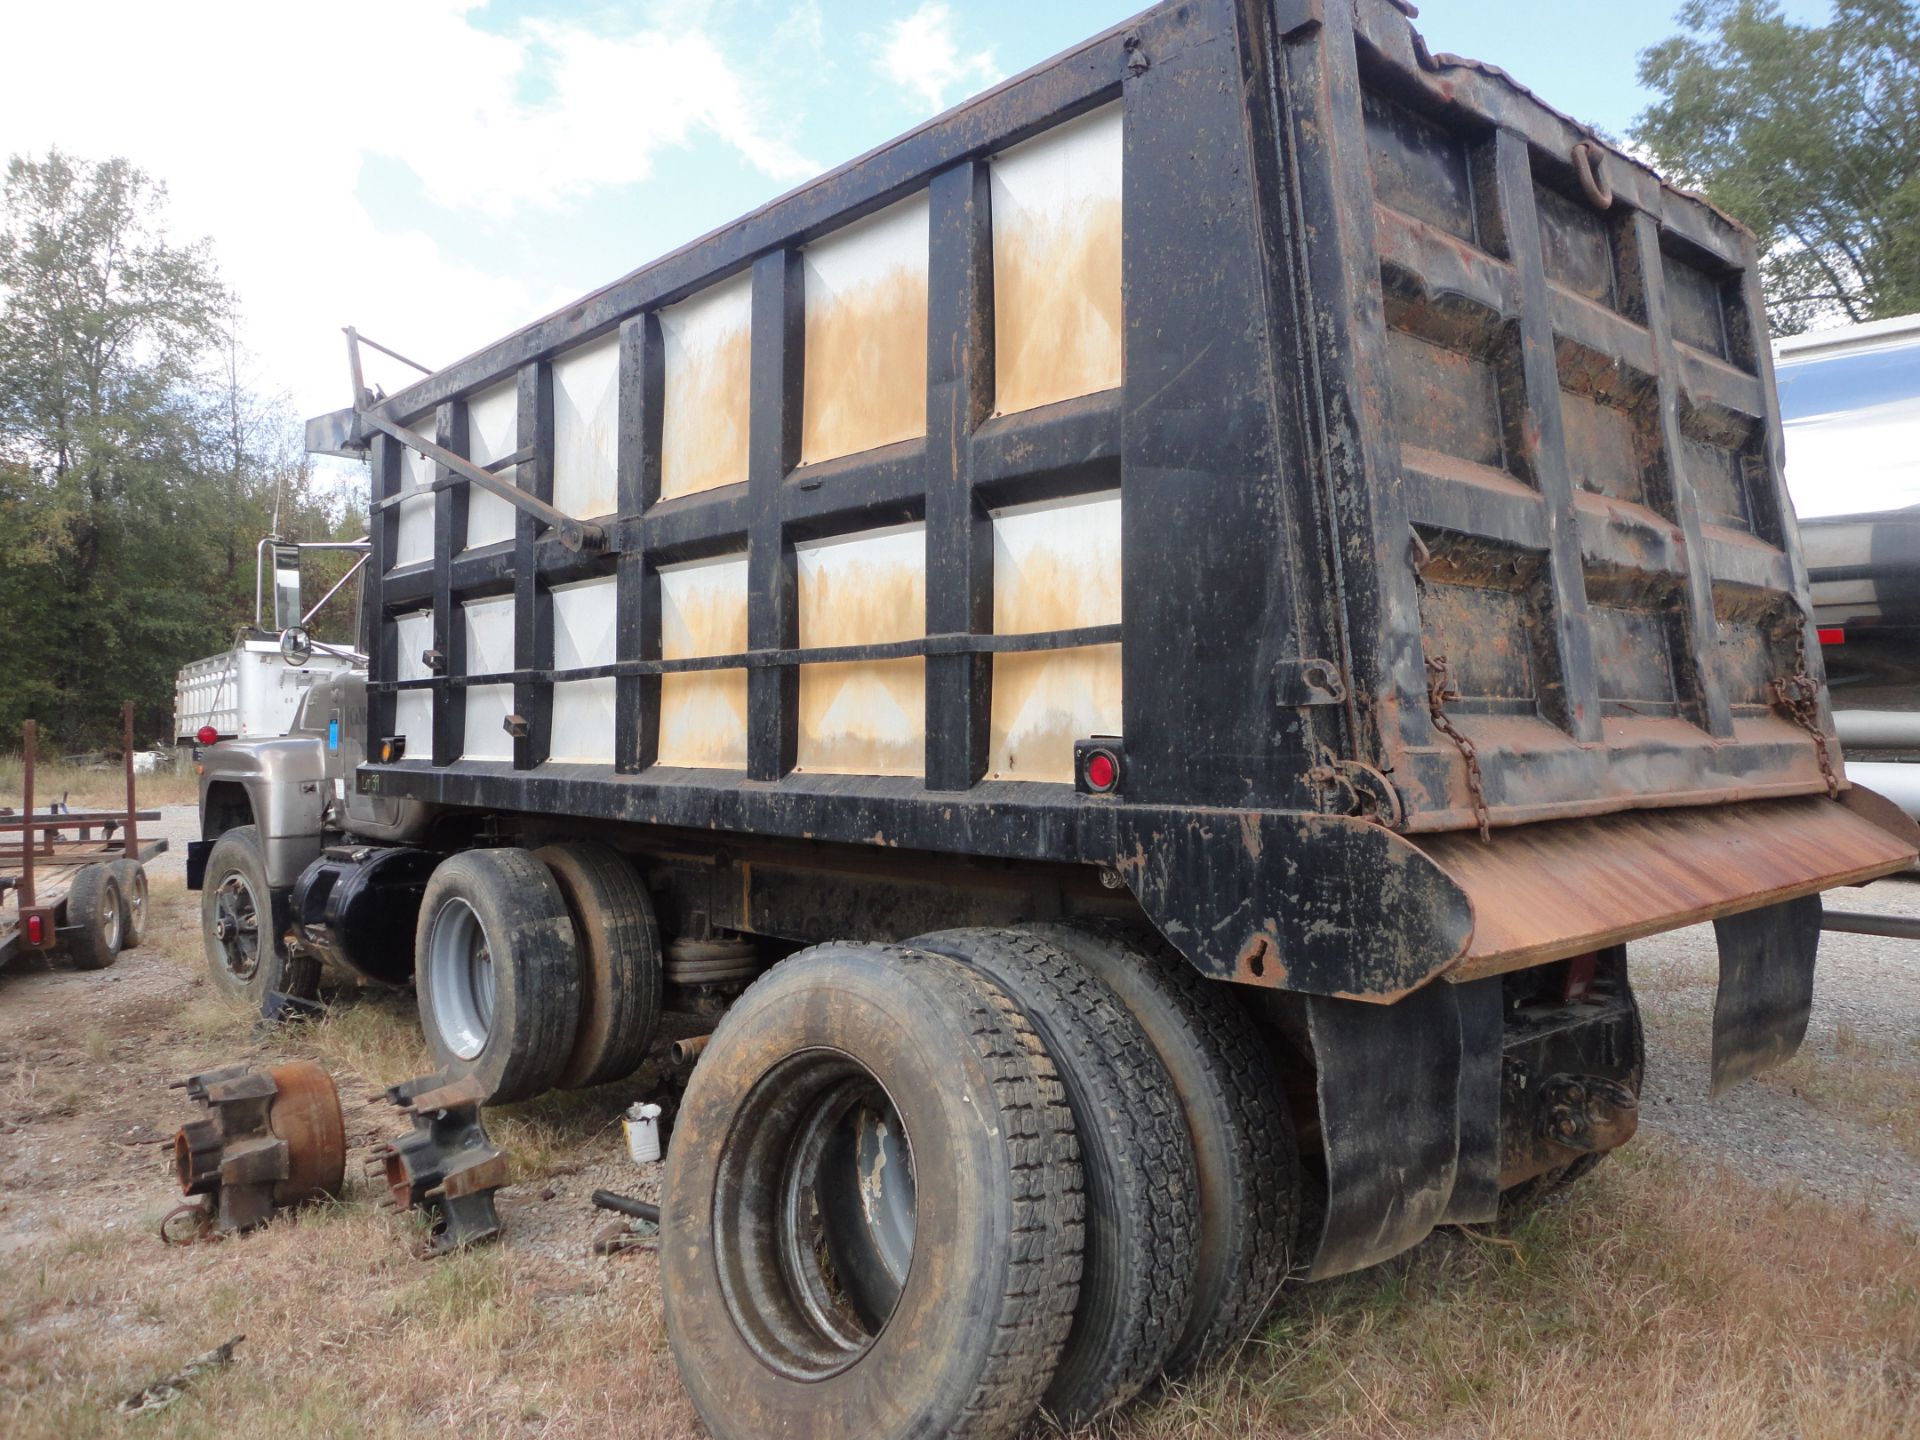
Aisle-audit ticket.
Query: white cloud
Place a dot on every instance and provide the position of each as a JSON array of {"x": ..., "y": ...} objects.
[
  {"x": 260, "y": 116},
  {"x": 922, "y": 55}
]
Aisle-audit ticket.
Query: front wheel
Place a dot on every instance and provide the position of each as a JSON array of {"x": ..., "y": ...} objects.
[
  {"x": 242, "y": 923},
  {"x": 872, "y": 1213}
]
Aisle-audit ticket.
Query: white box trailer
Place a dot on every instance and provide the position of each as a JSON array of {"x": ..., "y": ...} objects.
[{"x": 248, "y": 692}]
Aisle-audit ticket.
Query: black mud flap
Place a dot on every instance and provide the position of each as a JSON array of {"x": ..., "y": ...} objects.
[
  {"x": 198, "y": 852},
  {"x": 1409, "y": 1101},
  {"x": 1766, "y": 987}
]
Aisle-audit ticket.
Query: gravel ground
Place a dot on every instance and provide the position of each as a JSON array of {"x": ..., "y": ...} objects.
[
  {"x": 178, "y": 824},
  {"x": 1865, "y": 989}
]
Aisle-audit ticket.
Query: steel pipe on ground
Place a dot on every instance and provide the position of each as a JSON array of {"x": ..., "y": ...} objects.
[
  {"x": 1878, "y": 729},
  {"x": 1860, "y": 922}
]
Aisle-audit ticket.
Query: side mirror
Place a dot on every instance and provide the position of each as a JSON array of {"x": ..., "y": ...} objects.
[{"x": 286, "y": 587}]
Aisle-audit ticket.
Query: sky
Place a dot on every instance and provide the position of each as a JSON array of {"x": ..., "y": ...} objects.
[{"x": 440, "y": 172}]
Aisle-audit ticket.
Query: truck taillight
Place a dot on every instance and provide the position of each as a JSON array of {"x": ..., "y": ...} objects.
[
  {"x": 1098, "y": 765},
  {"x": 206, "y": 735},
  {"x": 1832, "y": 635}
]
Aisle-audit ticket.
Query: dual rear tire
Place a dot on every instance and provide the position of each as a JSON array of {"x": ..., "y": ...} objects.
[{"x": 790, "y": 1306}]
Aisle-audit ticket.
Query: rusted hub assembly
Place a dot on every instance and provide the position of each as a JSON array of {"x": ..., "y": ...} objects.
[
  {"x": 446, "y": 1167},
  {"x": 269, "y": 1139}
]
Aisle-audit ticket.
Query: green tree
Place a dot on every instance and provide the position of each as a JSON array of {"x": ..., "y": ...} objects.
[
  {"x": 137, "y": 470},
  {"x": 1808, "y": 133}
]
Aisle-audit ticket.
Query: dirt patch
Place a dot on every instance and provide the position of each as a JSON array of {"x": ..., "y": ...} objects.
[{"x": 1667, "y": 1295}]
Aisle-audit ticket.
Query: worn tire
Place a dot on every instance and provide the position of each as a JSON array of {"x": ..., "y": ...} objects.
[
  {"x": 502, "y": 1002},
  {"x": 132, "y": 876},
  {"x": 1136, "y": 1284},
  {"x": 97, "y": 913},
  {"x": 620, "y": 966},
  {"x": 1233, "y": 1098},
  {"x": 978, "y": 1321},
  {"x": 236, "y": 886}
]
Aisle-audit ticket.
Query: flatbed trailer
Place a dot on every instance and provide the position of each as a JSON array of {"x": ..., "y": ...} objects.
[
  {"x": 75, "y": 880},
  {"x": 1145, "y": 647}
]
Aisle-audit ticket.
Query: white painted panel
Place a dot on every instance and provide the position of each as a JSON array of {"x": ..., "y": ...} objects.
[
  {"x": 866, "y": 334},
  {"x": 865, "y": 718},
  {"x": 493, "y": 430},
  {"x": 489, "y": 625},
  {"x": 415, "y": 541},
  {"x": 1056, "y": 566},
  {"x": 413, "y": 709},
  {"x": 586, "y": 428},
  {"x": 583, "y": 624},
  {"x": 1056, "y": 263},
  {"x": 703, "y": 713},
  {"x": 583, "y": 717},
  {"x": 703, "y": 422}
]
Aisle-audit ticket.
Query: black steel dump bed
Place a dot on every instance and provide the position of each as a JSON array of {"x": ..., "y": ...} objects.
[{"x": 1390, "y": 468}]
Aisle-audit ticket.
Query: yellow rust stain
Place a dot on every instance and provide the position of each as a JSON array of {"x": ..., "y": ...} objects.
[
  {"x": 1057, "y": 310},
  {"x": 864, "y": 718},
  {"x": 703, "y": 421},
  {"x": 1043, "y": 701},
  {"x": 866, "y": 366},
  {"x": 1056, "y": 588},
  {"x": 703, "y": 713}
]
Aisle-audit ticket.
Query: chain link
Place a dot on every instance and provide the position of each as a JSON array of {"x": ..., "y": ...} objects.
[
  {"x": 1441, "y": 689},
  {"x": 1799, "y": 695}
]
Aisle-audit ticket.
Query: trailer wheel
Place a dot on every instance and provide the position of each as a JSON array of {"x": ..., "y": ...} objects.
[
  {"x": 243, "y": 924},
  {"x": 872, "y": 1215},
  {"x": 1233, "y": 1098},
  {"x": 97, "y": 914},
  {"x": 498, "y": 972},
  {"x": 1136, "y": 1285},
  {"x": 132, "y": 876},
  {"x": 620, "y": 968}
]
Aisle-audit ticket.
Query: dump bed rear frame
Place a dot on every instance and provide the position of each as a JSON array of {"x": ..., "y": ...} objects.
[{"x": 1287, "y": 725}]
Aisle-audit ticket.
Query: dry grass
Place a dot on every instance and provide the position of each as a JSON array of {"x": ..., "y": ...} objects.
[
  {"x": 90, "y": 789},
  {"x": 1869, "y": 1080},
  {"x": 1663, "y": 1298}
]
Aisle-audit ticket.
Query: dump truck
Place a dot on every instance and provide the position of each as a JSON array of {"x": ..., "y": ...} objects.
[{"x": 1142, "y": 652}]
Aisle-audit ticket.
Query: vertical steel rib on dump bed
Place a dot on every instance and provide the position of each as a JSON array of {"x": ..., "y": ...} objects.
[{"x": 1551, "y": 436}]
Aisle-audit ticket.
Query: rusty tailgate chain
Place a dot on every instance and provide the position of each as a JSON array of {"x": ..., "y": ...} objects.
[
  {"x": 1799, "y": 695},
  {"x": 1441, "y": 689}
]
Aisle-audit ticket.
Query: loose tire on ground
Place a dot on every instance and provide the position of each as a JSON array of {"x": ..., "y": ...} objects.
[
  {"x": 498, "y": 972},
  {"x": 1136, "y": 1285},
  {"x": 132, "y": 876},
  {"x": 96, "y": 913},
  {"x": 243, "y": 921},
  {"x": 857, "y": 1095},
  {"x": 620, "y": 967},
  {"x": 1233, "y": 1099}
]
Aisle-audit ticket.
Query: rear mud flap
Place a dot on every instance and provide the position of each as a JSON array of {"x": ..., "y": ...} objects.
[
  {"x": 1766, "y": 988},
  {"x": 1409, "y": 1102}
]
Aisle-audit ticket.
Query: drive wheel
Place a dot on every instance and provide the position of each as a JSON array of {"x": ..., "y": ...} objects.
[
  {"x": 243, "y": 920},
  {"x": 1136, "y": 1286},
  {"x": 1232, "y": 1096},
  {"x": 498, "y": 972},
  {"x": 620, "y": 969},
  {"x": 132, "y": 876},
  {"x": 97, "y": 914},
  {"x": 872, "y": 1215}
]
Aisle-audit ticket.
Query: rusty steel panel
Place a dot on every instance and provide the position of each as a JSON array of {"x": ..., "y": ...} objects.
[
  {"x": 866, "y": 335},
  {"x": 1056, "y": 263},
  {"x": 703, "y": 713},
  {"x": 704, "y": 415},
  {"x": 863, "y": 717},
  {"x": 1544, "y": 892}
]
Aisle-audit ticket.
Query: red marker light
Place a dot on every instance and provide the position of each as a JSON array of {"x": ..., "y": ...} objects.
[
  {"x": 206, "y": 735},
  {"x": 1102, "y": 773},
  {"x": 1833, "y": 635},
  {"x": 37, "y": 931}
]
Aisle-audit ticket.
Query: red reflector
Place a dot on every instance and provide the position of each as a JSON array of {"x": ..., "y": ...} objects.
[
  {"x": 1833, "y": 636},
  {"x": 206, "y": 735},
  {"x": 37, "y": 931},
  {"x": 1101, "y": 772}
]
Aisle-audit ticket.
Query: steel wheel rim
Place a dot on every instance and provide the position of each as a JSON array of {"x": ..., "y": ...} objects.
[
  {"x": 110, "y": 915},
  {"x": 814, "y": 1215},
  {"x": 460, "y": 979},
  {"x": 237, "y": 925},
  {"x": 137, "y": 901}
]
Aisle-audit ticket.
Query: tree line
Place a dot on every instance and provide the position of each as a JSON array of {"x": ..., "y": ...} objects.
[{"x": 138, "y": 469}]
